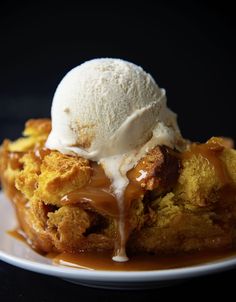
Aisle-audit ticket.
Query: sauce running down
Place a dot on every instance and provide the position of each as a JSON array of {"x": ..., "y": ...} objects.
[
  {"x": 98, "y": 192},
  {"x": 99, "y": 195}
]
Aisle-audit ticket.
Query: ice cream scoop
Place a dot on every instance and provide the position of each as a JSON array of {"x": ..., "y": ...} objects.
[
  {"x": 113, "y": 112},
  {"x": 107, "y": 107}
]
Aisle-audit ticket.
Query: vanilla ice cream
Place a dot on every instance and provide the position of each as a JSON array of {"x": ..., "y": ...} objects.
[{"x": 113, "y": 112}]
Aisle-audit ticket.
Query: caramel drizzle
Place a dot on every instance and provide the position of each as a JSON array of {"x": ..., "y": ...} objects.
[
  {"x": 98, "y": 194},
  {"x": 211, "y": 151}
]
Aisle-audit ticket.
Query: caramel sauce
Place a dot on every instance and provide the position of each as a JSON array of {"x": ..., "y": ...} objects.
[
  {"x": 103, "y": 261},
  {"x": 132, "y": 192},
  {"x": 18, "y": 234},
  {"x": 143, "y": 262},
  {"x": 97, "y": 193},
  {"x": 136, "y": 176},
  {"x": 211, "y": 151},
  {"x": 14, "y": 160}
]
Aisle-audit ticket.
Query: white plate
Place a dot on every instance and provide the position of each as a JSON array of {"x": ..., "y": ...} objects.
[{"x": 19, "y": 254}]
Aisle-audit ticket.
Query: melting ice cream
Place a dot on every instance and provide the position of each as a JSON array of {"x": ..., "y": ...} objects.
[{"x": 113, "y": 112}]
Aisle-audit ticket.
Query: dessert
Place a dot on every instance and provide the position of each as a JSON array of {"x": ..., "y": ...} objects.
[{"x": 111, "y": 171}]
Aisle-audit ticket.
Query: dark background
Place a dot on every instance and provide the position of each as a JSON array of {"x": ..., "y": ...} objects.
[
  {"x": 21, "y": 286},
  {"x": 189, "y": 48}
]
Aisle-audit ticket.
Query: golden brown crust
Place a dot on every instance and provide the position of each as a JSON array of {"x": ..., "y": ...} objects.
[
  {"x": 26, "y": 180},
  {"x": 61, "y": 174},
  {"x": 162, "y": 166},
  {"x": 37, "y": 127},
  {"x": 180, "y": 208}
]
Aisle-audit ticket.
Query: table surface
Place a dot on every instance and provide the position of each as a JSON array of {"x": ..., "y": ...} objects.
[{"x": 20, "y": 285}]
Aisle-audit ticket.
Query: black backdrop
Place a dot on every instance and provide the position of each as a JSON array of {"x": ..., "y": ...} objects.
[{"x": 189, "y": 48}]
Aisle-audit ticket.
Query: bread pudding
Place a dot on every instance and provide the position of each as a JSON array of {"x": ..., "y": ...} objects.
[
  {"x": 178, "y": 201},
  {"x": 177, "y": 197}
]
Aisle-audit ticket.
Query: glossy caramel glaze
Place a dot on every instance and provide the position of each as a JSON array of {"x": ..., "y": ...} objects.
[
  {"x": 99, "y": 194},
  {"x": 101, "y": 261},
  {"x": 96, "y": 193},
  {"x": 143, "y": 262}
]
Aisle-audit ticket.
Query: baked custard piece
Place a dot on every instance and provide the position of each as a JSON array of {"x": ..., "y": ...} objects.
[{"x": 176, "y": 201}]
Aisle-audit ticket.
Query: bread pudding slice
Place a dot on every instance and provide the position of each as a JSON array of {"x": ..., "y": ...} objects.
[{"x": 178, "y": 201}]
